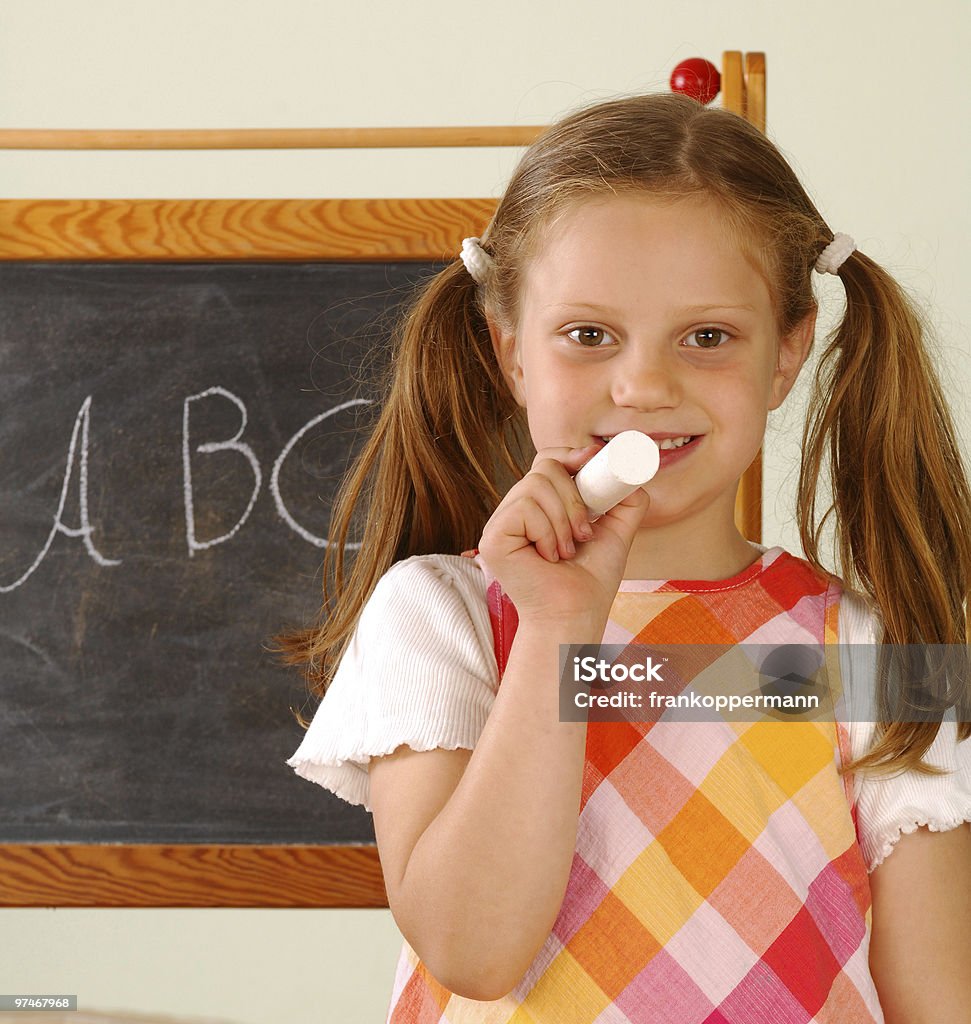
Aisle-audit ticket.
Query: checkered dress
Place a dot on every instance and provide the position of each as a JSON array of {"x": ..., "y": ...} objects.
[{"x": 717, "y": 875}]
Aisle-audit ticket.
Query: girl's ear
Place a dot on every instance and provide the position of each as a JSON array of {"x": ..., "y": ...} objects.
[
  {"x": 508, "y": 357},
  {"x": 792, "y": 352}
]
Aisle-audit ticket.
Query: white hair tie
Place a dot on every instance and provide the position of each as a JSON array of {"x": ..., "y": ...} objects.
[
  {"x": 477, "y": 261},
  {"x": 835, "y": 254}
]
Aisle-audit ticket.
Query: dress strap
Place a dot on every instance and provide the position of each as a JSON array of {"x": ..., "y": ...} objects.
[{"x": 503, "y": 616}]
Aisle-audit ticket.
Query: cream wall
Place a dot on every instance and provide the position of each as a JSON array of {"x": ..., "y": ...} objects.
[{"x": 866, "y": 99}]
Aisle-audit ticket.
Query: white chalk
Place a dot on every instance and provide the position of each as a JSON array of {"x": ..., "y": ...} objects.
[{"x": 625, "y": 463}]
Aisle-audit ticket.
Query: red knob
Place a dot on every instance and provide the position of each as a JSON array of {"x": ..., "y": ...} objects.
[{"x": 697, "y": 78}]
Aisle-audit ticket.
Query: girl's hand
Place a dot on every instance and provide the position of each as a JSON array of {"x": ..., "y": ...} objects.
[{"x": 526, "y": 542}]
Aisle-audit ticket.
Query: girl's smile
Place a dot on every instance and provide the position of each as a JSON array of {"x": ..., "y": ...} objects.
[
  {"x": 646, "y": 315},
  {"x": 671, "y": 446}
]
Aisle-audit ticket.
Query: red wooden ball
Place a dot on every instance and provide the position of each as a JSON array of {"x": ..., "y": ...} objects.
[{"x": 697, "y": 78}]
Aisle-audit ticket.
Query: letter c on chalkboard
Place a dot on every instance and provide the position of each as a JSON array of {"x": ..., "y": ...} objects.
[{"x": 275, "y": 475}]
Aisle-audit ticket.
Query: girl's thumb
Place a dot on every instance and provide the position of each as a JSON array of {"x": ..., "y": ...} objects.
[{"x": 628, "y": 515}]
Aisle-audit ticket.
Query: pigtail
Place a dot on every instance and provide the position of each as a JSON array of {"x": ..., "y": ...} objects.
[
  {"x": 445, "y": 446},
  {"x": 900, "y": 493}
]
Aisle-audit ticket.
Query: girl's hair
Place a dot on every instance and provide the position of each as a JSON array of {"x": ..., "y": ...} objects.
[{"x": 450, "y": 439}]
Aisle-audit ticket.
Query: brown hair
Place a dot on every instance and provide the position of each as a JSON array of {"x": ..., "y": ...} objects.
[{"x": 450, "y": 439}]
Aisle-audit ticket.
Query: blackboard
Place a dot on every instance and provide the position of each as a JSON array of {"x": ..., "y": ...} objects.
[{"x": 171, "y": 435}]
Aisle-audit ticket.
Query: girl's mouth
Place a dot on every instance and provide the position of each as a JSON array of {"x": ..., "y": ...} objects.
[
  {"x": 668, "y": 444},
  {"x": 671, "y": 449},
  {"x": 676, "y": 452}
]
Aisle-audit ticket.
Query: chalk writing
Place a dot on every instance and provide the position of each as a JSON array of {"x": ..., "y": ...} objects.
[
  {"x": 85, "y": 529},
  {"x": 78, "y": 456}
]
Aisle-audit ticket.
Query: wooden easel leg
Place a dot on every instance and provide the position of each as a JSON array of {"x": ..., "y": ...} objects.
[{"x": 744, "y": 94}]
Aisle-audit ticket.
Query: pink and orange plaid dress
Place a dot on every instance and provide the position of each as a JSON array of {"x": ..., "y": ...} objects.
[{"x": 717, "y": 877}]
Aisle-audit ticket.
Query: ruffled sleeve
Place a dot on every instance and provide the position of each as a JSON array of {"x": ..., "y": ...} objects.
[
  {"x": 889, "y": 806},
  {"x": 419, "y": 669}
]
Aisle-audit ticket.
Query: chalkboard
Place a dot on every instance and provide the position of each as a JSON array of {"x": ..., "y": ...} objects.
[
  {"x": 182, "y": 385},
  {"x": 171, "y": 436}
]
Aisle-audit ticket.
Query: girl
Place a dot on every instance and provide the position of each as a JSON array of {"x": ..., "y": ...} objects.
[{"x": 648, "y": 268}]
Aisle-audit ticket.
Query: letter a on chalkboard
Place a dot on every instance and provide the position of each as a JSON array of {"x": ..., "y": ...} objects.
[{"x": 85, "y": 529}]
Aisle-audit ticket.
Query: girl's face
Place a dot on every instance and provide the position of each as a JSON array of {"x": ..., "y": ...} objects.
[{"x": 641, "y": 315}]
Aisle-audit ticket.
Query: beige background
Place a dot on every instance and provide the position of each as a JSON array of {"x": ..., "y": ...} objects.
[{"x": 867, "y": 100}]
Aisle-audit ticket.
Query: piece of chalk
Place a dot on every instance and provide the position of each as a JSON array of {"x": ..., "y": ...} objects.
[{"x": 625, "y": 463}]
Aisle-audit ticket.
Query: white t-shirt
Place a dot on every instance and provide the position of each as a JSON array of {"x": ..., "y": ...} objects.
[{"x": 420, "y": 669}]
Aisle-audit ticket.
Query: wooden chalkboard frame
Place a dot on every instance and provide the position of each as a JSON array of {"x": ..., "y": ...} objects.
[
  {"x": 380, "y": 230},
  {"x": 99, "y": 230}
]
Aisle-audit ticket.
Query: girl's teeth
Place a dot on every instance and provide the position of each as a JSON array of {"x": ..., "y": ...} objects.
[{"x": 666, "y": 444}]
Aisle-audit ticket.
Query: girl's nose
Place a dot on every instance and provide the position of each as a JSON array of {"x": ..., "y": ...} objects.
[{"x": 647, "y": 379}]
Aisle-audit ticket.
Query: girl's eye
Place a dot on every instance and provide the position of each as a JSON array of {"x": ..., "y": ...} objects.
[
  {"x": 705, "y": 335},
  {"x": 587, "y": 330}
]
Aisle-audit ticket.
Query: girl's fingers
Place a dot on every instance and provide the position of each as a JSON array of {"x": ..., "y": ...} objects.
[
  {"x": 626, "y": 517},
  {"x": 560, "y": 462},
  {"x": 545, "y": 506},
  {"x": 567, "y": 515},
  {"x": 558, "y": 495},
  {"x": 549, "y": 533},
  {"x": 538, "y": 514},
  {"x": 570, "y": 458},
  {"x": 526, "y": 521}
]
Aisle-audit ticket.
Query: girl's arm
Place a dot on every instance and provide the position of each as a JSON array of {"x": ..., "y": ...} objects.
[
  {"x": 477, "y": 852},
  {"x": 920, "y": 951},
  {"x": 476, "y": 862}
]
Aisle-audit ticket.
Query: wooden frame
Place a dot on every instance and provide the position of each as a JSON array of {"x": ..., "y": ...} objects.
[
  {"x": 239, "y": 875},
  {"x": 743, "y": 92},
  {"x": 271, "y": 138},
  {"x": 192, "y": 875}
]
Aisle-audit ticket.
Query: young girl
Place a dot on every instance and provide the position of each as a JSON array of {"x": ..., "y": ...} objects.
[{"x": 649, "y": 268}]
